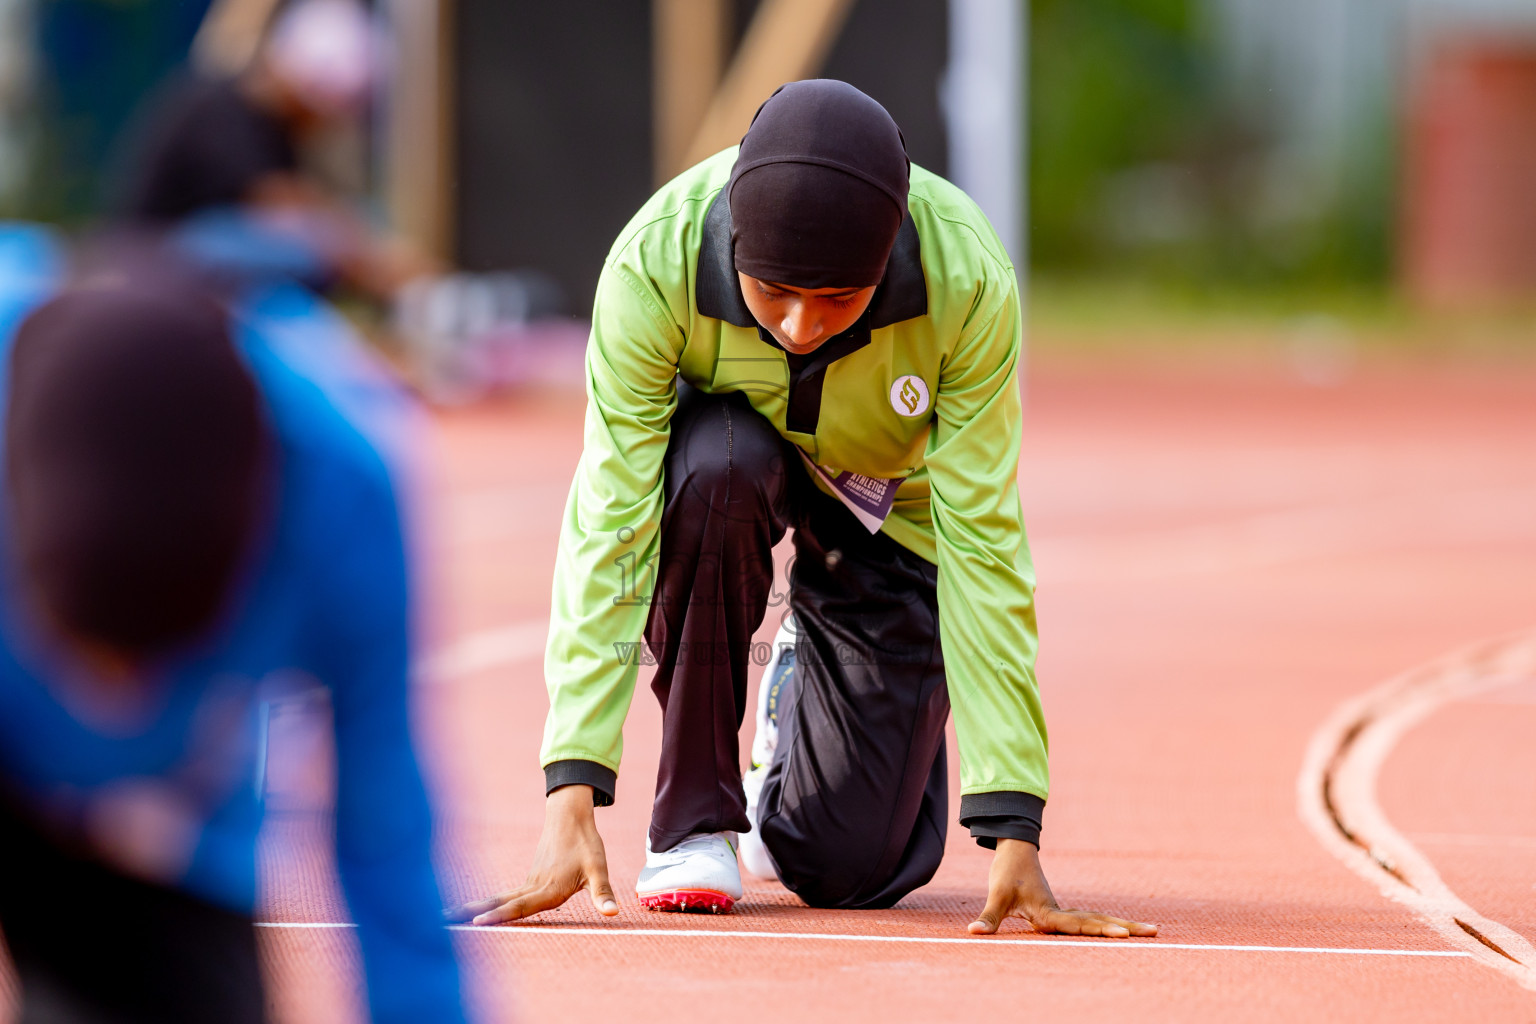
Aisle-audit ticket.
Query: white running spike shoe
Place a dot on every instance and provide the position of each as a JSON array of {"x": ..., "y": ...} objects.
[
  {"x": 698, "y": 874},
  {"x": 770, "y": 691}
]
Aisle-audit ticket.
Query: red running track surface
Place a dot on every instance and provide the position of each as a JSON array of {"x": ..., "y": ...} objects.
[{"x": 1225, "y": 555}]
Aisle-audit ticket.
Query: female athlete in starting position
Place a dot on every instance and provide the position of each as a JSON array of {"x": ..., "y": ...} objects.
[{"x": 806, "y": 332}]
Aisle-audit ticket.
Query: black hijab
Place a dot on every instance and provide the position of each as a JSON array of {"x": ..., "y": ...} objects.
[{"x": 819, "y": 189}]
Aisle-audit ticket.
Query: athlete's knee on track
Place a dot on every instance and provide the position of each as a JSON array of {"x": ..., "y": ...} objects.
[{"x": 832, "y": 870}]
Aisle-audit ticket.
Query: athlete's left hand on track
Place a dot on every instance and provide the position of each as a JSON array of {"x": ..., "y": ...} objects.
[
  {"x": 1017, "y": 888},
  {"x": 569, "y": 858}
]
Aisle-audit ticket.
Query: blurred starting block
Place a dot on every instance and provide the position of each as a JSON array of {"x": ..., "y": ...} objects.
[{"x": 295, "y": 757}]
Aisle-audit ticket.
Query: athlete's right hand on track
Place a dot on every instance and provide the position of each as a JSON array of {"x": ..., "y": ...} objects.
[
  {"x": 569, "y": 858},
  {"x": 1016, "y": 887}
]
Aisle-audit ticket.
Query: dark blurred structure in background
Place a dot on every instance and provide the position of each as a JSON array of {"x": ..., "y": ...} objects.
[
  {"x": 520, "y": 134},
  {"x": 555, "y": 110},
  {"x": 1191, "y": 145}
]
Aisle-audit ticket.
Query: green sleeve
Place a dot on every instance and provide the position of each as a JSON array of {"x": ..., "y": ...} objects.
[
  {"x": 986, "y": 579},
  {"x": 609, "y": 540}
]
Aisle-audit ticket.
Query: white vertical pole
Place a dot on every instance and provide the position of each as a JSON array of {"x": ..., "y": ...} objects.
[{"x": 983, "y": 96}]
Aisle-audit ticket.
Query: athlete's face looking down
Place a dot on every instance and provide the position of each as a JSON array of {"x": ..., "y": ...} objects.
[{"x": 803, "y": 319}]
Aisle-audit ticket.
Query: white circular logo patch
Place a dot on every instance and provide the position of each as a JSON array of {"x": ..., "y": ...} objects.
[{"x": 909, "y": 396}]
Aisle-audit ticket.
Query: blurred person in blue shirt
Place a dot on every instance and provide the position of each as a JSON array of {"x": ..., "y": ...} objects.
[
  {"x": 193, "y": 503},
  {"x": 218, "y": 158}
]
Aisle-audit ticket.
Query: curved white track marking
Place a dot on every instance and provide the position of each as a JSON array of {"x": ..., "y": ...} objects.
[
  {"x": 523, "y": 931},
  {"x": 1336, "y": 794},
  {"x": 504, "y": 645}
]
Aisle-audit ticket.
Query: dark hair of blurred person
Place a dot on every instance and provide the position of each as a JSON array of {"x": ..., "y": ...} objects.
[{"x": 134, "y": 465}]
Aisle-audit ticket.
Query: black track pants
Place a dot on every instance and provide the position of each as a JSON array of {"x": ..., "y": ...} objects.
[{"x": 855, "y": 804}]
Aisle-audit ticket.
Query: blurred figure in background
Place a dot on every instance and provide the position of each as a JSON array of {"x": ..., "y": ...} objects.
[
  {"x": 216, "y": 166},
  {"x": 191, "y": 506},
  {"x": 222, "y": 155}
]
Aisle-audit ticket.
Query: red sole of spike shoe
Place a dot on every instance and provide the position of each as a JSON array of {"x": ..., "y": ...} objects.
[{"x": 693, "y": 901}]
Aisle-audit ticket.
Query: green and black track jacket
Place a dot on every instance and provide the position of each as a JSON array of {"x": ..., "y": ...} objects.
[{"x": 923, "y": 389}]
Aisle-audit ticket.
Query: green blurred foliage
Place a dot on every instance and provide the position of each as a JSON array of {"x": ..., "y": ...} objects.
[
  {"x": 98, "y": 60},
  {"x": 1142, "y": 165},
  {"x": 1112, "y": 83}
]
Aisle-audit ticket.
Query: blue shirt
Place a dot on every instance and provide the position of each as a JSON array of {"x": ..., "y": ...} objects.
[{"x": 326, "y": 598}]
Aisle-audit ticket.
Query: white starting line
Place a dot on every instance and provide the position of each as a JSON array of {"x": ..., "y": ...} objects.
[
  {"x": 524, "y": 640},
  {"x": 699, "y": 933}
]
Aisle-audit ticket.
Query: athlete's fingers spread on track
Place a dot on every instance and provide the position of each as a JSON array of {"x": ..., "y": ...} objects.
[
  {"x": 1087, "y": 922},
  {"x": 469, "y": 911},
  {"x": 546, "y": 897},
  {"x": 1114, "y": 926},
  {"x": 1016, "y": 885},
  {"x": 465, "y": 911},
  {"x": 568, "y": 859},
  {"x": 1068, "y": 922}
]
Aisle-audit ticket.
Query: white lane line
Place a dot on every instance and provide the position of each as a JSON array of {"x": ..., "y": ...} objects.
[
  {"x": 524, "y": 640},
  {"x": 696, "y": 933},
  {"x": 485, "y": 649},
  {"x": 1336, "y": 795}
]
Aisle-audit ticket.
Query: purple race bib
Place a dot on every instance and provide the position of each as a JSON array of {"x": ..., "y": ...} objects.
[{"x": 867, "y": 497}]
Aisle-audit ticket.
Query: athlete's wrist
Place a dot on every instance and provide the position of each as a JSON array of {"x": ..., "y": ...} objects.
[
  {"x": 1019, "y": 848},
  {"x": 572, "y": 804}
]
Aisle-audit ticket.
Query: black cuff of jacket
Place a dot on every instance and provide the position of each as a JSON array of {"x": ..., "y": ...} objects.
[
  {"x": 994, "y": 816},
  {"x": 603, "y": 780}
]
